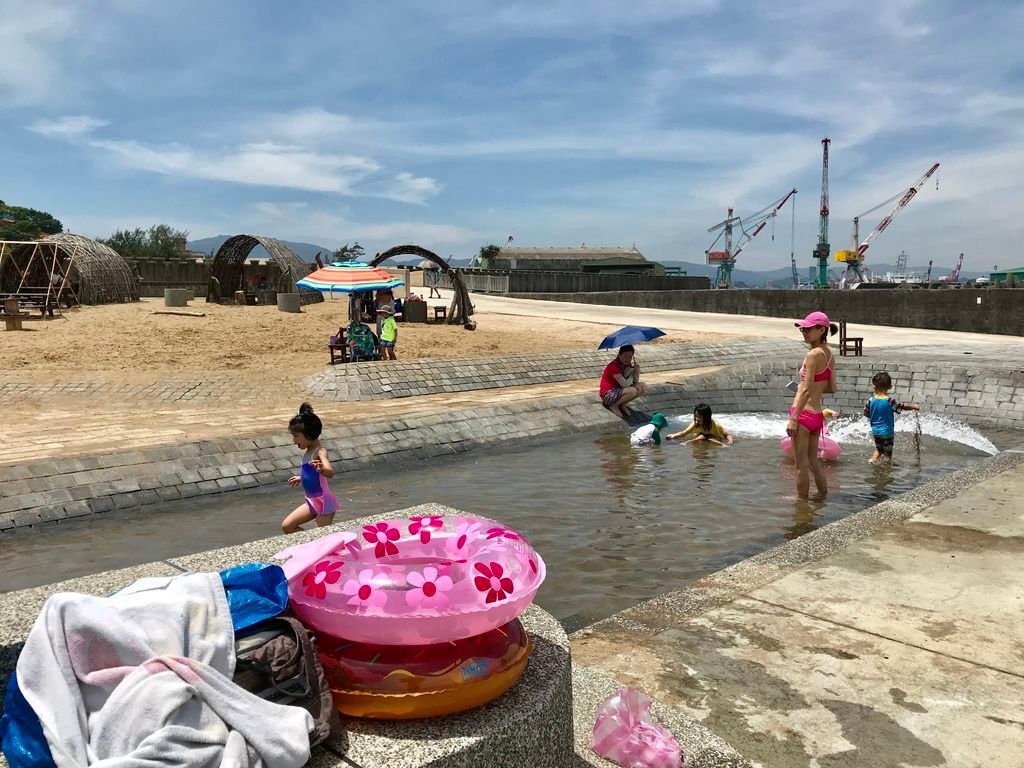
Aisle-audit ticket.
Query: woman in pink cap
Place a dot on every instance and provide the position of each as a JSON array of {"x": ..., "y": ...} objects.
[{"x": 817, "y": 377}]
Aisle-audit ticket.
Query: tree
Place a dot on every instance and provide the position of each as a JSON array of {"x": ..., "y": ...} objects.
[
  {"x": 350, "y": 252},
  {"x": 488, "y": 252},
  {"x": 158, "y": 242},
  {"x": 17, "y": 223}
]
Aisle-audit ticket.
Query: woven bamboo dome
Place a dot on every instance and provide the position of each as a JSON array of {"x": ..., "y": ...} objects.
[
  {"x": 96, "y": 272},
  {"x": 229, "y": 266}
]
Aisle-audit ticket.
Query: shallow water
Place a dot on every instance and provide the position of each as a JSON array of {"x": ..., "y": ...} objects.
[{"x": 615, "y": 524}]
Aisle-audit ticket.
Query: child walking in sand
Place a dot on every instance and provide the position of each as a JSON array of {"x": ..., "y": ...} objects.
[
  {"x": 881, "y": 410},
  {"x": 316, "y": 470},
  {"x": 705, "y": 427}
]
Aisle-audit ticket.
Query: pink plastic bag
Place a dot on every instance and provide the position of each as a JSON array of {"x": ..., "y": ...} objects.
[{"x": 625, "y": 735}]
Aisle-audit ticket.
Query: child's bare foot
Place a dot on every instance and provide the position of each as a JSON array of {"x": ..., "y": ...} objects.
[{"x": 617, "y": 411}]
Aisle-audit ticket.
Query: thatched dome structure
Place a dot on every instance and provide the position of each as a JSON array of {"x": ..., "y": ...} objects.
[
  {"x": 229, "y": 266},
  {"x": 98, "y": 274}
]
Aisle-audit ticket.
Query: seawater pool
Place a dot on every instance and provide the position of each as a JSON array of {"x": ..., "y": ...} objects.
[{"x": 615, "y": 524}]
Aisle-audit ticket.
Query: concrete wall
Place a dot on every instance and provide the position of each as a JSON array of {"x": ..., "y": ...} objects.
[
  {"x": 565, "y": 281},
  {"x": 973, "y": 310}
]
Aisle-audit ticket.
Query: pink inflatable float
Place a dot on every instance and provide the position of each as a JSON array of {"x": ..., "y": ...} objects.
[
  {"x": 828, "y": 449},
  {"x": 413, "y": 581}
]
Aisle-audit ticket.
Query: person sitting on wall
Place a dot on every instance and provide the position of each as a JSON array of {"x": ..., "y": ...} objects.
[{"x": 620, "y": 382}]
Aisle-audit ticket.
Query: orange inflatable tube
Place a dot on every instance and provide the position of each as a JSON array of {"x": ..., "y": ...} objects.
[{"x": 395, "y": 682}]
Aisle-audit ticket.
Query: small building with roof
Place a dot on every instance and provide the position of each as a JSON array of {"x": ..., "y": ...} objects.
[{"x": 612, "y": 261}]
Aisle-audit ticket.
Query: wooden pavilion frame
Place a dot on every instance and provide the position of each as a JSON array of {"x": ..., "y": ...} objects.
[{"x": 43, "y": 262}]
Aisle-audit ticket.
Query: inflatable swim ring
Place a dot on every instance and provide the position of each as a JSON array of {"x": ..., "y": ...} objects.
[
  {"x": 413, "y": 581},
  {"x": 828, "y": 449},
  {"x": 403, "y": 682}
]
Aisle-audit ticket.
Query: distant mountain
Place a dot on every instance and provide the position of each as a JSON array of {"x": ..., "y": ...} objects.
[
  {"x": 783, "y": 276},
  {"x": 305, "y": 251}
]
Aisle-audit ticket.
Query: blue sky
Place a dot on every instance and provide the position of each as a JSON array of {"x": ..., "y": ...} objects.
[{"x": 454, "y": 124}]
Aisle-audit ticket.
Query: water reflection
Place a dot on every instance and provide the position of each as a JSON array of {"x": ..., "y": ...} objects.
[{"x": 615, "y": 524}]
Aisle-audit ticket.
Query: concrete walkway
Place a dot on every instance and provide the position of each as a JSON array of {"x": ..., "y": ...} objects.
[
  {"x": 901, "y": 649},
  {"x": 739, "y": 325}
]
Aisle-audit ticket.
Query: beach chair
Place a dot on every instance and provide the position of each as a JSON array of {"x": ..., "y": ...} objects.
[
  {"x": 848, "y": 344},
  {"x": 338, "y": 345}
]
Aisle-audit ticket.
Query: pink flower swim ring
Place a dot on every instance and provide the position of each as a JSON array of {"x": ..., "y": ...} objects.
[
  {"x": 413, "y": 581},
  {"x": 828, "y": 449}
]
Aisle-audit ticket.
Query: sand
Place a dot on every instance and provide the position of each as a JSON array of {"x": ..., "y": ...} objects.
[{"x": 130, "y": 338}]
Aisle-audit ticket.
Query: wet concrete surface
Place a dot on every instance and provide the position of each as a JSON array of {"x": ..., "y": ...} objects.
[{"x": 902, "y": 647}]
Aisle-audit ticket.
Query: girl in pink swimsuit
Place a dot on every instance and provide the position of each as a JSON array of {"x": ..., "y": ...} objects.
[
  {"x": 817, "y": 377},
  {"x": 316, "y": 470}
]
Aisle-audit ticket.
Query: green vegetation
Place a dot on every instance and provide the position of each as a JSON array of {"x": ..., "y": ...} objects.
[
  {"x": 17, "y": 223},
  {"x": 158, "y": 242},
  {"x": 350, "y": 252},
  {"x": 488, "y": 252}
]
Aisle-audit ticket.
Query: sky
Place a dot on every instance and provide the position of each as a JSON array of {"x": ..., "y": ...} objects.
[{"x": 453, "y": 124}]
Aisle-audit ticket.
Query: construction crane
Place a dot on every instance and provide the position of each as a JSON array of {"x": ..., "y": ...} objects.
[
  {"x": 750, "y": 227},
  {"x": 854, "y": 259},
  {"x": 821, "y": 251},
  {"x": 792, "y": 241},
  {"x": 953, "y": 278}
]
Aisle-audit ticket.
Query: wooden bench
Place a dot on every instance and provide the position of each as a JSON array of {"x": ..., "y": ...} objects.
[
  {"x": 440, "y": 312},
  {"x": 848, "y": 344},
  {"x": 13, "y": 317}
]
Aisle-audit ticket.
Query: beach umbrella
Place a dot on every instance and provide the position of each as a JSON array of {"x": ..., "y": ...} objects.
[
  {"x": 427, "y": 264},
  {"x": 630, "y": 334},
  {"x": 349, "y": 277}
]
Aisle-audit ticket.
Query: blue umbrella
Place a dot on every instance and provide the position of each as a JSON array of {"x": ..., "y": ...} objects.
[{"x": 631, "y": 334}]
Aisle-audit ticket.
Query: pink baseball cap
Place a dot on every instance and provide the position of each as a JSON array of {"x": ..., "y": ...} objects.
[{"x": 814, "y": 319}]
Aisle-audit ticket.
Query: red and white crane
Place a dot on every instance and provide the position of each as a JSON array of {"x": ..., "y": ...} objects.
[
  {"x": 751, "y": 227},
  {"x": 854, "y": 258}
]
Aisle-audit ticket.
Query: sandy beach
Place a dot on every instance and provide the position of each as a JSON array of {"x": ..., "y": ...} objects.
[{"x": 130, "y": 338}]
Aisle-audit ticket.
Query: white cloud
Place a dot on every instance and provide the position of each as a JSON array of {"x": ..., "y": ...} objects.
[
  {"x": 67, "y": 127},
  {"x": 266, "y": 164},
  {"x": 300, "y": 221},
  {"x": 32, "y": 36},
  {"x": 407, "y": 188}
]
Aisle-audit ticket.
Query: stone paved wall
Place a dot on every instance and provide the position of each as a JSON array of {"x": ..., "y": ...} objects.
[
  {"x": 151, "y": 388},
  {"x": 374, "y": 381},
  {"x": 989, "y": 394}
]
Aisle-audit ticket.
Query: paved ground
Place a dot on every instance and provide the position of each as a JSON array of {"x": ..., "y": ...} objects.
[
  {"x": 902, "y": 649},
  {"x": 69, "y": 423},
  {"x": 739, "y": 325}
]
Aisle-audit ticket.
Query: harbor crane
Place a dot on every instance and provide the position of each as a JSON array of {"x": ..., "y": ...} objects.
[
  {"x": 854, "y": 259},
  {"x": 953, "y": 278},
  {"x": 750, "y": 227},
  {"x": 821, "y": 250}
]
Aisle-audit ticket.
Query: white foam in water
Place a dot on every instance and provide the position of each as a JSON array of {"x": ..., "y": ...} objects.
[{"x": 768, "y": 426}]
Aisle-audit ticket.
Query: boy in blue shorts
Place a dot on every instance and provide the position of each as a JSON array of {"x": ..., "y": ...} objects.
[{"x": 882, "y": 409}]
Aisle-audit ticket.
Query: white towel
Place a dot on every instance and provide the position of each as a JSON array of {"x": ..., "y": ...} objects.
[{"x": 142, "y": 679}]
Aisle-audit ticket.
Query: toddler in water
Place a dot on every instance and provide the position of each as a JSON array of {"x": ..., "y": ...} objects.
[
  {"x": 316, "y": 470},
  {"x": 882, "y": 409},
  {"x": 649, "y": 433},
  {"x": 705, "y": 427}
]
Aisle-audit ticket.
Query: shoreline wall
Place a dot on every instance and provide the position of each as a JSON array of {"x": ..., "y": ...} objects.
[{"x": 973, "y": 310}]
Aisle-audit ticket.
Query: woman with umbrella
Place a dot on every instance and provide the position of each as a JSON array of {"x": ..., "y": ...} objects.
[{"x": 620, "y": 381}]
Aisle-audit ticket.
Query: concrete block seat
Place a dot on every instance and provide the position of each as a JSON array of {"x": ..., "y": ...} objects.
[{"x": 531, "y": 724}]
